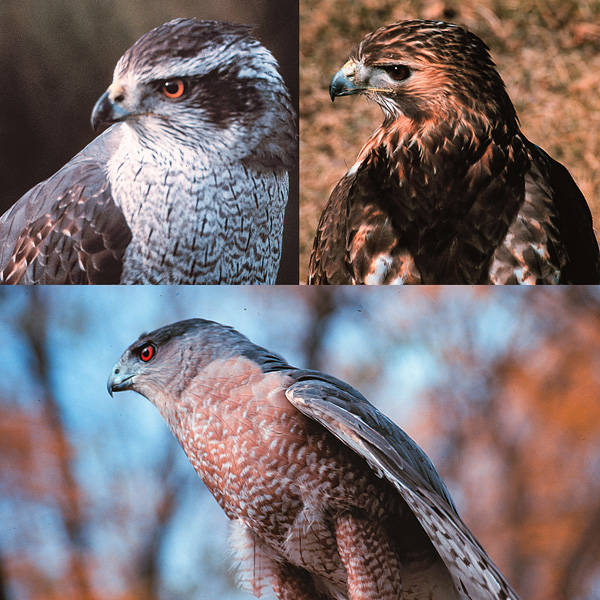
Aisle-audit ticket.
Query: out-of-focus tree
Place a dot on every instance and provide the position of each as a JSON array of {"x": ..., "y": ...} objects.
[
  {"x": 44, "y": 507},
  {"x": 525, "y": 446},
  {"x": 501, "y": 389},
  {"x": 37, "y": 438}
]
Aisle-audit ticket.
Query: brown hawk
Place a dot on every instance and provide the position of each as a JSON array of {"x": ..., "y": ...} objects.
[
  {"x": 448, "y": 189},
  {"x": 188, "y": 185},
  {"x": 330, "y": 499}
]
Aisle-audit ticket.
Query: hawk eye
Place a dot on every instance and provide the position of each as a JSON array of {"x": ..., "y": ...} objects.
[
  {"x": 397, "y": 72},
  {"x": 147, "y": 352},
  {"x": 173, "y": 88}
]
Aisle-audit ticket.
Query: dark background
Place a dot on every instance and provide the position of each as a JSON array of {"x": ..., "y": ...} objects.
[{"x": 57, "y": 58}]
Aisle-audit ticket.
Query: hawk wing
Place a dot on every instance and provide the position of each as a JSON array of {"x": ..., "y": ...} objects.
[
  {"x": 357, "y": 238},
  {"x": 551, "y": 239},
  {"x": 393, "y": 455},
  {"x": 575, "y": 224},
  {"x": 67, "y": 229},
  {"x": 329, "y": 262}
]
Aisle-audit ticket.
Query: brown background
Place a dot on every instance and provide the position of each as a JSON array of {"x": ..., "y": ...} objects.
[{"x": 547, "y": 53}]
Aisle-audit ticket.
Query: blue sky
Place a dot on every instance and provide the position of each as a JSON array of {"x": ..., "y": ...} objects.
[{"x": 391, "y": 344}]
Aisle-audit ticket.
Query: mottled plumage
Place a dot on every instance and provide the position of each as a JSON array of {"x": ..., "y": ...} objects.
[
  {"x": 329, "y": 498},
  {"x": 448, "y": 189},
  {"x": 190, "y": 183}
]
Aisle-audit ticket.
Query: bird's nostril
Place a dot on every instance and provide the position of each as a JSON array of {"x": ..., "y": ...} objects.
[{"x": 119, "y": 98}]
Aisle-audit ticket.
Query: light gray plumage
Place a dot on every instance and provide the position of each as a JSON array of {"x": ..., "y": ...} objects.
[
  {"x": 330, "y": 499},
  {"x": 188, "y": 185}
]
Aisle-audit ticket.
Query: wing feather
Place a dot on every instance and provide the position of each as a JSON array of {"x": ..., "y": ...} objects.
[
  {"x": 67, "y": 229},
  {"x": 576, "y": 225},
  {"x": 393, "y": 455}
]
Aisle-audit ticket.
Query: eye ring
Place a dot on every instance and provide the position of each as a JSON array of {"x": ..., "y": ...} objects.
[
  {"x": 398, "y": 72},
  {"x": 147, "y": 352},
  {"x": 173, "y": 88}
]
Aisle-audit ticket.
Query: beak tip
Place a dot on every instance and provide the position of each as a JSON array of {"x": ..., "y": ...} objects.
[
  {"x": 119, "y": 381},
  {"x": 106, "y": 112},
  {"x": 100, "y": 111},
  {"x": 341, "y": 86},
  {"x": 112, "y": 385}
]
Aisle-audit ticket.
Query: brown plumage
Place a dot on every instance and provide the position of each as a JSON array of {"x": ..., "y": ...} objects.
[
  {"x": 448, "y": 189},
  {"x": 329, "y": 498}
]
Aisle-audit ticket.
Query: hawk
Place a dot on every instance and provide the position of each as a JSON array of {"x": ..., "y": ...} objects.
[
  {"x": 330, "y": 499},
  {"x": 188, "y": 184},
  {"x": 448, "y": 190}
]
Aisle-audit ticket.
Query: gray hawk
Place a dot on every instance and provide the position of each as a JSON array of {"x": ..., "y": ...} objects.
[
  {"x": 330, "y": 499},
  {"x": 188, "y": 185},
  {"x": 447, "y": 190}
]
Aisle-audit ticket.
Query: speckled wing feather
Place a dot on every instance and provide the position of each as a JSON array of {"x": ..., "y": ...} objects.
[
  {"x": 551, "y": 239},
  {"x": 359, "y": 239},
  {"x": 575, "y": 222},
  {"x": 329, "y": 262},
  {"x": 68, "y": 228},
  {"x": 393, "y": 455}
]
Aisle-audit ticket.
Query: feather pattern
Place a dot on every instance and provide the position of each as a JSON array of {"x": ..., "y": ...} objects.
[
  {"x": 330, "y": 499},
  {"x": 448, "y": 189}
]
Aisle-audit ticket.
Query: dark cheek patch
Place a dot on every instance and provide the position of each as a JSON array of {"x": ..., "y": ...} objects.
[{"x": 225, "y": 97}]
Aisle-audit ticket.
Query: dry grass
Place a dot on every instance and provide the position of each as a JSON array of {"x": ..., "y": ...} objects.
[{"x": 547, "y": 52}]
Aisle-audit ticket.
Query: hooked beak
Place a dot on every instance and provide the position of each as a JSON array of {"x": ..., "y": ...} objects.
[
  {"x": 342, "y": 84},
  {"x": 119, "y": 382},
  {"x": 109, "y": 109}
]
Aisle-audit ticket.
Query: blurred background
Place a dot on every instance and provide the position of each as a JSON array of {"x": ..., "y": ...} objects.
[
  {"x": 500, "y": 387},
  {"x": 547, "y": 52},
  {"x": 57, "y": 58}
]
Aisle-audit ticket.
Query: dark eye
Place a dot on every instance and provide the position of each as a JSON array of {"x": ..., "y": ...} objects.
[
  {"x": 147, "y": 352},
  {"x": 173, "y": 88},
  {"x": 398, "y": 72}
]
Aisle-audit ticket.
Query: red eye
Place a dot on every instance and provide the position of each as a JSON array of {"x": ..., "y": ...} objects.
[
  {"x": 173, "y": 88},
  {"x": 147, "y": 352}
]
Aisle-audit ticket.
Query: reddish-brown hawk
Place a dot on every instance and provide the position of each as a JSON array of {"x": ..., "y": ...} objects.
[
  {"x": 448, "y": 189},
  {"x": 330, "y": 499}
]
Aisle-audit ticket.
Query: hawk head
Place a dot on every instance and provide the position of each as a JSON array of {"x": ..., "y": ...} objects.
[
  {"x": 157, "y": 360},
  {"x": 204, "y": 89},
  {"x": 164, "y": 358},
  {"x": 428, "y": 71}
]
